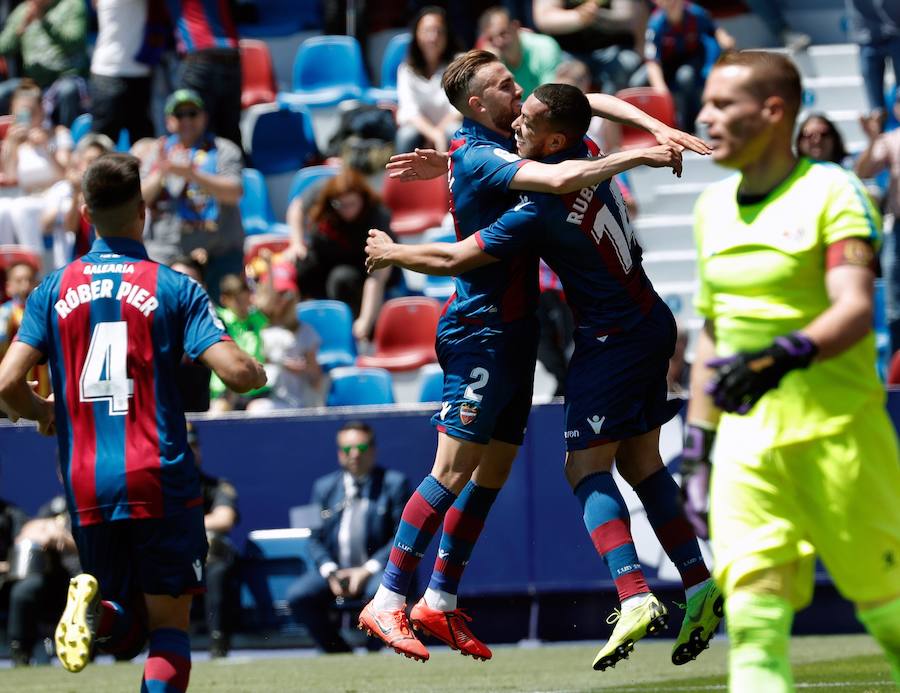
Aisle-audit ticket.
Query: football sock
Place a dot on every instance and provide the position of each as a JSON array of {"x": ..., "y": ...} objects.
[
  {"x": 440, "y": 600},
  {"x": 660, "y": 497},
  {"x": 635, "y": 601},
  {"x": 883, "y": 623},
  {"x": 119, "y": 631},
  {"x": 420, "y": 520},
  {"x": 607, "y": 521},
  {"x": 168, "y": 666},
  {"x": 759, "y": 628},
  {"x": 462, "y": 526}
]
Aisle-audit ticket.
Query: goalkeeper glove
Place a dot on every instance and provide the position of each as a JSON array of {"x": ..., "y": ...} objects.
[
  {"x": 695, "y": 470},
  {"x": 742, "y": 379}
]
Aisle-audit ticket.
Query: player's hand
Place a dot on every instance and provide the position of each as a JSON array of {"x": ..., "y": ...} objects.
[
  {"x": 421, "y": 164},
  {"x": 684, "y": 140},
  {"x": 378, "y": 245},
  {"x": 47, "y": 420},
  {"x": 664, "y": 156},
  {"x": 741, "y": 380},
  {"x": 695, "y": 471}
]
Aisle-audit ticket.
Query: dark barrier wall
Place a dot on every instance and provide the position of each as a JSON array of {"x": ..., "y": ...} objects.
[{"x": 534, "y": 540}]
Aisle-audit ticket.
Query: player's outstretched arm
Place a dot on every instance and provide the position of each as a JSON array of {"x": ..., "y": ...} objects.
[
  {"x": 421, "y": 164},
  {"x": 441, "y": 259},
  {"x": 573, "y": 175},
  {"x": 17, "y": 398},
  {"x": 237, "y": 369}
]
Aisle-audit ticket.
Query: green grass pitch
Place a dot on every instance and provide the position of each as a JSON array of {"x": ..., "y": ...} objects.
[{"x": 830, "y": 663}]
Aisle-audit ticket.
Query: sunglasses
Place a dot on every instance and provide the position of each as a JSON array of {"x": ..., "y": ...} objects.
[
  {"x": 360, "y": 448},
  {"x": 180, "y": 115}
]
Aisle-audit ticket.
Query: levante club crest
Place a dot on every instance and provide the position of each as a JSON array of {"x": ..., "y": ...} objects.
[{"x": 467, "y": 413}]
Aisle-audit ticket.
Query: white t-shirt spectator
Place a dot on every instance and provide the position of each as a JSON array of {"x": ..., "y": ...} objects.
[
  {"x": 121, "y": 33},
  {"x": 290, "y": 390},
  {"x": 417, "y": 95}
]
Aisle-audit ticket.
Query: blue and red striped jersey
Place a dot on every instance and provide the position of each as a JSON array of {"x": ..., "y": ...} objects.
[
  {"x": 202, "y": 24},
  {"x": 587, "y": 239},
  {"x": 673, "y": 45},
  {"x": 481, "y": 167},
  {"x": 114, "y": 327}
]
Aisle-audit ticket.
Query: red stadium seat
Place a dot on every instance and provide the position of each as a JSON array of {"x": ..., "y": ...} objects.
[
  {"x": 404, "y": 334},
  {"x": 416, "y": 206},
  {"x": 654, "y": 103},
  {"x": 257, "y": 76}
]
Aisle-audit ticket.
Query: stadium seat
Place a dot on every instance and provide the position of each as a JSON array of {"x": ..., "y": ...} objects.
[
  {"x": 257, "y": 76},
  {"x": 333, "y": 321},
  {"x": 660, "y": 106},
  {"x": 328, "y": 70},
  {"x": 417, "y": 205},
  {"x": 81, "y": 126},
  {"x": 431, "y": 388},
  {"x": 354, "y": 386},
  {"x": 404, "y": 334},
  {"x": 308, "y": 176},
  {"x": 394, "y": 54},
  {"x": 281, "y": 139},
  {"x": 256, "y": 210}
]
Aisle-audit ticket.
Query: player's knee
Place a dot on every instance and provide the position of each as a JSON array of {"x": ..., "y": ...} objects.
[
  {"x": 777, "y": 581},
  {"x": 168, "y": 612}
]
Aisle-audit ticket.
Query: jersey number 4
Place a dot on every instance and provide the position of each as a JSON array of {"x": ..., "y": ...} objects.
[{"x": 104, "y": 376}]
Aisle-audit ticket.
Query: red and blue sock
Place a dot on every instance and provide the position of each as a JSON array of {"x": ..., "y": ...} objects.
[
  {"x": 607, "y": 521},
  {"x": 421, "y": 518},
  {"x": 660, "y": 496},
  {"x": 462, "y": 527},
  {"x": 168, "y": 666}
]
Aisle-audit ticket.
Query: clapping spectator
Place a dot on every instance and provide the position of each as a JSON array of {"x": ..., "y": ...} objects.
[
  {"x": 424, "y": 115},
  {"x": 875, "y": 26},
  {"x": 819, "y": 139},
  {"x": 193, "y": 193},
  {"x": 51, "y": 36},
  {"x": 532, "y": 58},
  {"x": 333, "y": 263},
  {"x": 682, "y": 43}
]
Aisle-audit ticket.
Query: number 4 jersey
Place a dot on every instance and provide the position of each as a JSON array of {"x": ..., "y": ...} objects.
[{"x": 114, "y": 327}]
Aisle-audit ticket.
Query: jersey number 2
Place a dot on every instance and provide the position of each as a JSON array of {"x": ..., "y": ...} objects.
[{"x": 104, "y": 376}]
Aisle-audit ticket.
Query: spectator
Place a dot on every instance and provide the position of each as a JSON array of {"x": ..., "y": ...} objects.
[
  {"x": 190, "y": 266},
  {"x": 21, "y": 280},
  {"x": 424, "y": 115},
  {"x": 289, "y": 347},
  {"x": 51, "y": 36},
  {"x": 129, "y": 43},
  {"x": 332, "y": 256},
  {"x": 610, "y": 40},
  {"x": 245, "y": 325},
  {"x": 819, "y": 139},
  {"x": 46, "y": 560},
  {"x": 360, "y": 506},
  {"x": 34, "y": 157},
  {"x": 532, "y": 58},
  {"x": 682, "y": 43},
  {"x": 875, "y": 26},
  {"x": 220, "y": 515},
  {"x": 12, "y": 519},
  {"x": 193, "y": 193},
  {"x": 206, "y": 38}
]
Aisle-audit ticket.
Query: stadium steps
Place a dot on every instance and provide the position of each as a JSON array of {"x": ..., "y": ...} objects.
[
  {"x": 665, "y": 233},
  {"x": 668, "y": 266}
]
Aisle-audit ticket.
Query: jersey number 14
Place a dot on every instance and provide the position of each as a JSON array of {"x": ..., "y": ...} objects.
[{"x": 104, "y": 376}]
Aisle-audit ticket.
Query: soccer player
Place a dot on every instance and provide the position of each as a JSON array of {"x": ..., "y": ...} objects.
[
  {"x": 113, "y": 326},
  {"x": 487, "y": 344},
  {"x": 805, "y": 458},
  {"x": 616, "y": 393}
]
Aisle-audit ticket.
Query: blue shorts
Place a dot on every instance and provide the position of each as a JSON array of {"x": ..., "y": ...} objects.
[
  {"x": 488, "y": 382},
  {"x": 156, "y": 556},
  {"x": 616, "y": 385}
]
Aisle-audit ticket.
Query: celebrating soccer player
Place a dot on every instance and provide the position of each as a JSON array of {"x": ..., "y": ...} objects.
[
  {"x": 805, "y": 458},
  {"x": 114, "y": 326}
]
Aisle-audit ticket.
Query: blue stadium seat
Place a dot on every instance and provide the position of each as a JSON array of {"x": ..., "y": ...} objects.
[
  {"x": 352, "y": 386},
  {"x": 394, "y": 54},
  {"x": 328, "y": 70},
  {"x": 432, "y": 384},
  {"x": 333, "y": 322},
  {"x": 81, "y": 126},
  {"x": 307, "y": 176},
  {"x": 256, "y": 210},
  {"x": 273, "y": 559},
  {"x": 282, "y": 139}
]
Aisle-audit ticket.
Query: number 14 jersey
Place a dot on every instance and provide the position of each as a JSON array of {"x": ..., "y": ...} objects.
[{"x": 114, "y": 327}]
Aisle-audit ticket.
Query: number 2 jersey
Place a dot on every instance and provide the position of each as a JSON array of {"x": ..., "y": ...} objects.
[{"x": 114, "y": 327}]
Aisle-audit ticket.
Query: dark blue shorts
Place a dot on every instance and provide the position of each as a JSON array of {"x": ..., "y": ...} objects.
[
  {"x": 616, "y": 386},
  {"x": 157, "y": 556},
  {"x": 488, "y": 383}
]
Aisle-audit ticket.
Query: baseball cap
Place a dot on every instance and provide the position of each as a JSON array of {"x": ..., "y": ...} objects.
[{"x": 183, "y": 96}]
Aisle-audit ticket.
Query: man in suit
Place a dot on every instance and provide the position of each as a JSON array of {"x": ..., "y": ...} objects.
[{"x": 360, "y": 505}]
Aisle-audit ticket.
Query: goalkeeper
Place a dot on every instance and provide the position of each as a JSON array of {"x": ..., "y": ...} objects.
[{"x": 806, "y": 458}]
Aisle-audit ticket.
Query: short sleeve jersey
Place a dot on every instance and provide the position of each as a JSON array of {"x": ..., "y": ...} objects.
[
  {"x": 673, "y": 45},
  {"x": 586, "y": 238},
  {"x": 762, "y": 275},
  {"x": 114, "y": 327},
  {"x": 481, "y": 168}
]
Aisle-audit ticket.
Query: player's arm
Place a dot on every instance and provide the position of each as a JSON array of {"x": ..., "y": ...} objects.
[
  {"x": 441, "y": 259},
  {"x": 17, "y": 398},
  {"x": 237, "y": 369}
]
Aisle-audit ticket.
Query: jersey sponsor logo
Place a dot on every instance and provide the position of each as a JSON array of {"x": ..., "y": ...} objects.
[
  {"x": 443, "y": 554},
  {"x": 505, "y": 155},
  {"x": 131, "y": 294},
  {"x": 468, "y": 412},
  {"x": 387, "y": 630},
  {"x": 596, "y": 422},
  {"x": 198, "y": 569},
  {"x": 445, "y": 409},
  {"x": 572, "y": 434},
  {"x": 109, "y": 268},
  {"x": 603, "y": 338},
  {"x": 523, "y": 202}
]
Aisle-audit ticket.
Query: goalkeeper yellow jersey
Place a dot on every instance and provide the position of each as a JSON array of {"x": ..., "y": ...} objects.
[{"x": 761, "y": 271}]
